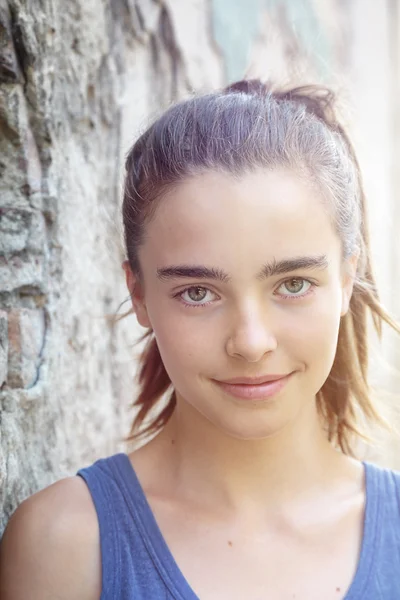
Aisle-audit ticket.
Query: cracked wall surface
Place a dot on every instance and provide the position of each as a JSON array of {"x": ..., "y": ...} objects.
[{"x": 78, "y": 81}]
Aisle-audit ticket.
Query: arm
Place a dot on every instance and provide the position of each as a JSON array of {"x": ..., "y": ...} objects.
[{"x": 51, "y": 547}]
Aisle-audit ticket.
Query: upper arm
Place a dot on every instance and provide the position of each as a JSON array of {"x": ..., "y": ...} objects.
[{"x": 51, "y": 548}]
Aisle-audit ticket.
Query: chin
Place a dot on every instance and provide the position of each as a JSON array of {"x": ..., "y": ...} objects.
[{"x": 252, "y": 431}]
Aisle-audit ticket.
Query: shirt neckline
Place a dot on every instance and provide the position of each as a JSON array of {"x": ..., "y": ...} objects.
[{"x": 169, "y": 569}]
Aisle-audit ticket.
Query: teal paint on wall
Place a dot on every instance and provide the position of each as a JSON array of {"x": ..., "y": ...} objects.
[
  {"x": 236, "y": 24},
  {"x": 304, "y": 22}
]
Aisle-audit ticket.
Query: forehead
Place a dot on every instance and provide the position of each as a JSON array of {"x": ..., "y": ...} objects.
[{"x": 217, "y": 218}]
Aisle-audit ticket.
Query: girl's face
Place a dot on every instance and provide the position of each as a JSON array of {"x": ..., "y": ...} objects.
[{"x": 243, "y": 278}]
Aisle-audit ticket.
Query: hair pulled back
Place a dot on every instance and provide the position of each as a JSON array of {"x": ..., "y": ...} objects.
[{"x": 243, "y": 127}]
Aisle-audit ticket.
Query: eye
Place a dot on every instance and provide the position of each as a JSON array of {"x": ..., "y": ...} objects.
[
  {"x": 297, "y": 287},
  {"x": 196, "y": 296}
]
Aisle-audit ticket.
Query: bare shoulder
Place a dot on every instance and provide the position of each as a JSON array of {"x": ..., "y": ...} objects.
[{"x": 51, "y": 546}]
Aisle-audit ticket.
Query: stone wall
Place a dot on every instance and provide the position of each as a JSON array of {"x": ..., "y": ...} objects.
[{"x": 78, "y": 81}]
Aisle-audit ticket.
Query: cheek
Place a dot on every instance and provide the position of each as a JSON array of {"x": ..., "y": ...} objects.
[
  {"x": 311, "y": 335},
  {"x": 185, "y": 341}
]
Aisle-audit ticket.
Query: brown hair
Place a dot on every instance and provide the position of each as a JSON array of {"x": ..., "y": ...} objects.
[{"x": 245, "y": 126}]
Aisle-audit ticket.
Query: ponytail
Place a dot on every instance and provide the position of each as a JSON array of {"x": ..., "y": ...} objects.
[{"x": 154, "y": 382}]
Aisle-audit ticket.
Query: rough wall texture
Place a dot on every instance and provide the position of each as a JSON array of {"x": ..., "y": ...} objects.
[{"x": 78, "y": 80}]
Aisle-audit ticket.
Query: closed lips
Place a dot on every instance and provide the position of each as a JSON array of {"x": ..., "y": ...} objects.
[{"x": 254, "y": 380}]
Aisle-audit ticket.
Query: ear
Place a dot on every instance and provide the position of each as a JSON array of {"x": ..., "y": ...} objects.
[
  {"x": 348, "y": 278},
  {"x": 136, "y": 293}
]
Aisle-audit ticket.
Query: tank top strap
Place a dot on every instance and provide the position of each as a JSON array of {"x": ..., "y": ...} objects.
[
  {"x": 103, "y": 490},
  {"x": 136, "y": 561},
  {"x": 377, "y": 576}
]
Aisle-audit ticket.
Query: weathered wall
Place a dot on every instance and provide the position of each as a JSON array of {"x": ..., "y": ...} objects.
[{"x": 78, "y": 80}]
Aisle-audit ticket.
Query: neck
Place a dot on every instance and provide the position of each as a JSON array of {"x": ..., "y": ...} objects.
[{"x": 205, "y": 464}]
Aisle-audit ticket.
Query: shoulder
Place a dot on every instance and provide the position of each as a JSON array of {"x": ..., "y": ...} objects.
[
  {"x": 391, "y": 476},
  {"x": 384, "y": 482},
  {"x": 51, "y": 546}
]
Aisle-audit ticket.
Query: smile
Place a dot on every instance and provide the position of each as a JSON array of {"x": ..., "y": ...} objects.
[{"x": 254, "y": 388}]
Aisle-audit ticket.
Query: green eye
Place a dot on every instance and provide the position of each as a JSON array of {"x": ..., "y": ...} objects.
[
  {"x": 196, "y": 294},
  {"x": 294, "y": 286}
]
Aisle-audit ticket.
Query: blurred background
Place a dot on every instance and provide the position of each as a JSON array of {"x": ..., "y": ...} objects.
[{"x": 79, "y": 80}]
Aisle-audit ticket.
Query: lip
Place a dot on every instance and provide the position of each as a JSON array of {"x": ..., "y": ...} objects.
[
  {"x": 255, "y": 388},
  {"x": 254, "y": 380}
]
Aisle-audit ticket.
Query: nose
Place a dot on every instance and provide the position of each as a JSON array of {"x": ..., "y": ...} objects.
[{"x": 251, "y": 337}]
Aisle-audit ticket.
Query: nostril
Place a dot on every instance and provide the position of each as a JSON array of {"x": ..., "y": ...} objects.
[{"x": 251, "y": 345}]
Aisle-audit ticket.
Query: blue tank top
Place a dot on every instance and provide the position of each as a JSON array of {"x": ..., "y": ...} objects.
[{"x": 138, "y": 565}]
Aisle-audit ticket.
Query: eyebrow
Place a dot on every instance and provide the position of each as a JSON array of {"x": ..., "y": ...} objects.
[
  {"x": 288, "y": 265},
  {"x": 270, "y": 269}
]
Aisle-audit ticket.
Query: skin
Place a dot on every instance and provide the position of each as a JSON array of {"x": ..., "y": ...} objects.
[
  {"x": 244, "y": 490},
  {"x": 247, "y": 329}
]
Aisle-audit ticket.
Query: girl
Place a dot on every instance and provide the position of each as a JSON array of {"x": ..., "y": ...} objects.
[{"x": 248, "y": 262}]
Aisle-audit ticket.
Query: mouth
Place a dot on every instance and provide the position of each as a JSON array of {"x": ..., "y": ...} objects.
[
  {"x": 254, "y": 388},
  {"x": 255, "y": 380}
]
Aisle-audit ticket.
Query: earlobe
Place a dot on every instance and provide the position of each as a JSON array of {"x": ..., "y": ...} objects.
[
  {"x": 347, "y": 291},
  {"x": 348, "y": 283},
  {"x": 137, "y": 297},
  {"x": 345, "y": 303}
]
